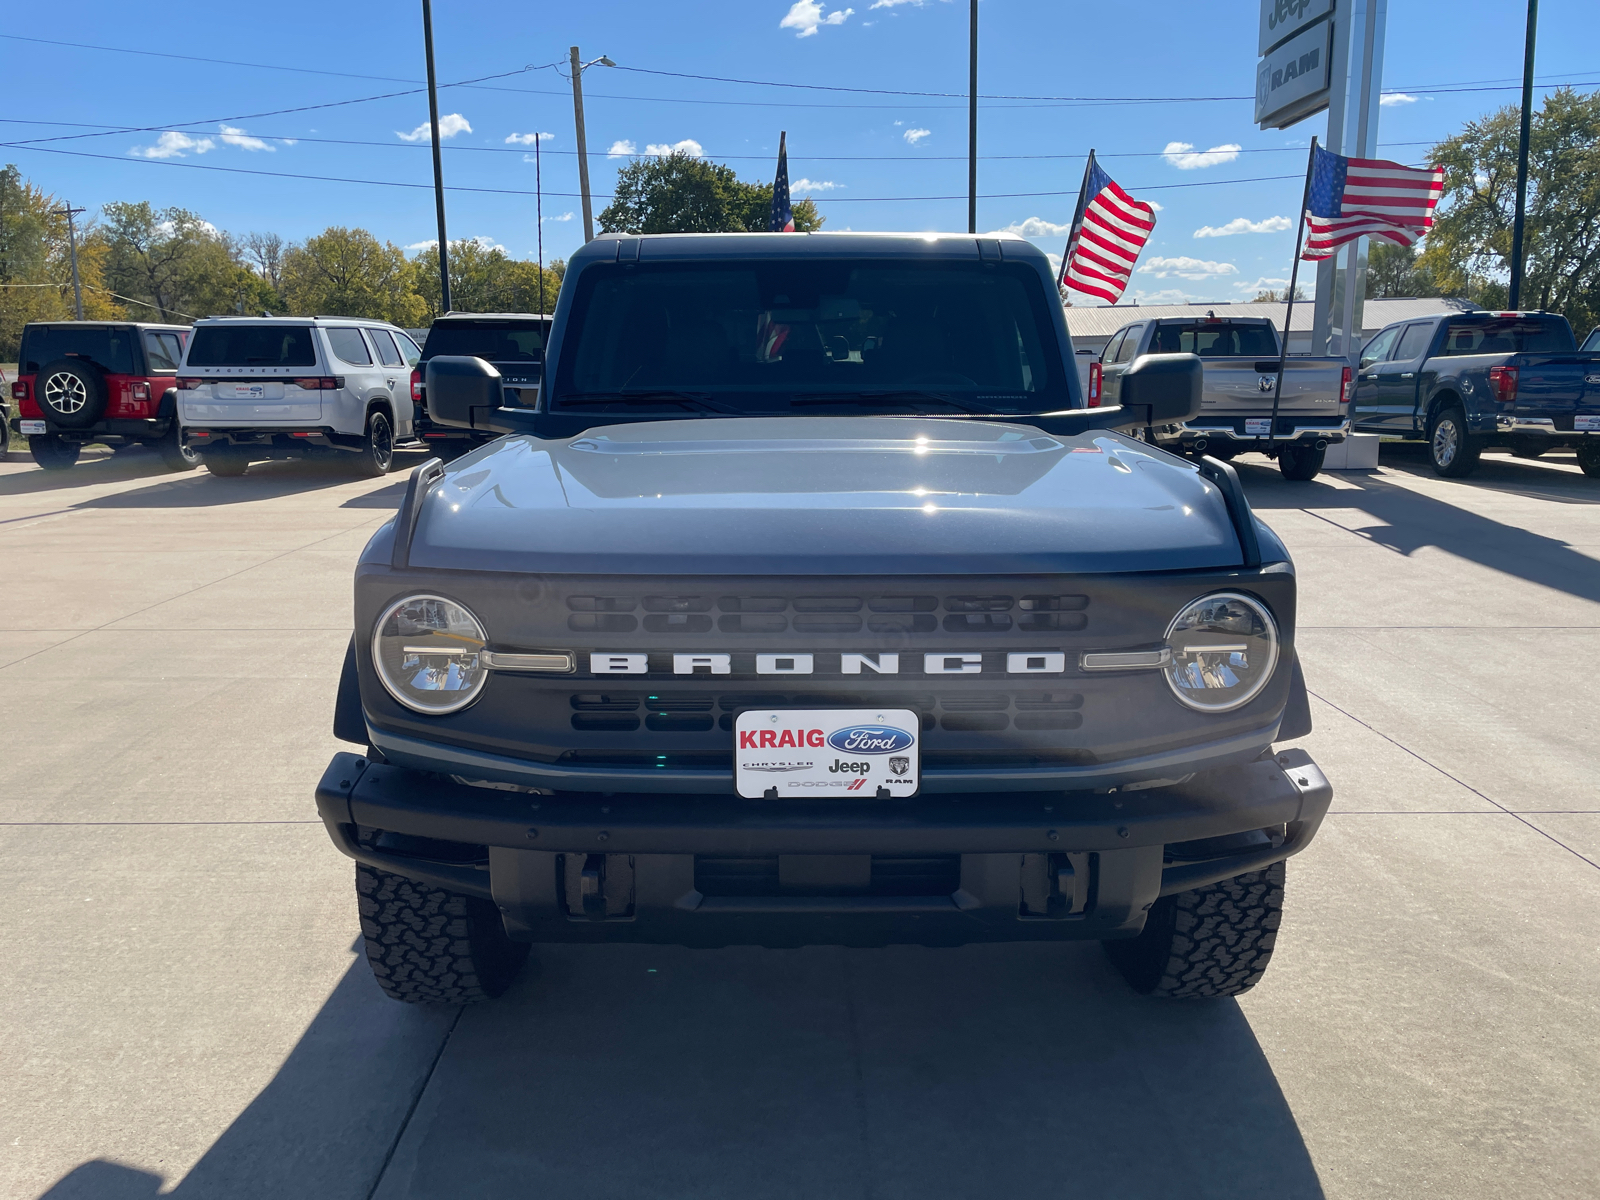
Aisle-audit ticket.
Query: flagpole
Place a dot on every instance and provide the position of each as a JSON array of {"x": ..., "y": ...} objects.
[
  {"x": 1077, "y": 219},
  {"x": 1294, "y": 279}
]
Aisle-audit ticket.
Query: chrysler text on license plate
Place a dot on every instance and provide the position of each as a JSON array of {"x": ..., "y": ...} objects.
[{"x": 826, "y": 752}]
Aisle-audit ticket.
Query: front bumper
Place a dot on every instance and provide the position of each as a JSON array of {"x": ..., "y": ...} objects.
[{"x": 715, "y": 869}]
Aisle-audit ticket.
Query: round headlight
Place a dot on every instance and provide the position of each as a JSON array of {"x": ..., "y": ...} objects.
[
  {"x": 428, "y": 654},
  {"x": 1224, "y": 648}
]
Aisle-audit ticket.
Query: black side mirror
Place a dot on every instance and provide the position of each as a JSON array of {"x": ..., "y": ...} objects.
[
  {"x": 1167, "y": 385},
  {"x": 462, "y": 391}
]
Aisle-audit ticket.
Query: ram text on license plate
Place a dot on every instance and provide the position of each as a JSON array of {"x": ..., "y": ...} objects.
[{"x": 824, "y": 752}]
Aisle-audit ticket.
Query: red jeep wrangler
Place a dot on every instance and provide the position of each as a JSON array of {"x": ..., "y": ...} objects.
[{"x": 100, "y": 381}]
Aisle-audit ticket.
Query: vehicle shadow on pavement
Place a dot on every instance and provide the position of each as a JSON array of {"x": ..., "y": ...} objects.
[
  {"x": 627, "y": 1071},
  {"x": 1406, "y": 520}
]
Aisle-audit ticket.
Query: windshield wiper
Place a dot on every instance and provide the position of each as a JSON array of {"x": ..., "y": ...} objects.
[
  {"x": 695, "y": 400},
  {"x": 909, "y": 397}
]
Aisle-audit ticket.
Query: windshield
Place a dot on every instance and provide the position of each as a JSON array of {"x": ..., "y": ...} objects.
[
  {"x": 108, "y": 347},
  {"x": 1216, "y": 339},
  {"x": 494, "y": 341},
  {"x": 1509, "y": 335},
  {"x": 784, "y": 335},
  {"x": 252, "y": 346}
]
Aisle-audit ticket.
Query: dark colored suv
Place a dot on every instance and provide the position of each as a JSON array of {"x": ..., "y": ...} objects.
[
  {"x": 99, "y": 381},
  {"x": 512, "y": 342}
]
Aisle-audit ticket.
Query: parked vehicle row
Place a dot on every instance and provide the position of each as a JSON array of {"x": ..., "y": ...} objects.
[{"x": 229, "y": 391}]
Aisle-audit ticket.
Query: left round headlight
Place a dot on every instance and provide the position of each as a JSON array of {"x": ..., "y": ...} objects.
[
  {"x": 428, "y": 653},
  {"x": 1224, "y": 649}
]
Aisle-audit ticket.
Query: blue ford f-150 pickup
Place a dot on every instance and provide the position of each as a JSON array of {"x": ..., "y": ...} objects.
[
  {"x": 1468, "y": 381},
  {"x": 812, "y": 604}
]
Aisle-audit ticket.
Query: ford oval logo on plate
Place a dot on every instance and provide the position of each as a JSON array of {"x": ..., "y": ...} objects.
[{"x": 870, "y": 739}]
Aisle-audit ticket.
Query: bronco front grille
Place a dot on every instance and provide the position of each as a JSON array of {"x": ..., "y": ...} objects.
[{"x": 700, "y": 712}]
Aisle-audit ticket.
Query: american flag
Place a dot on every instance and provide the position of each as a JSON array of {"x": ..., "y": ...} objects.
[
  {"x": 1367, "y": 197},
  {"x": 1108, "y": 231},
  {"x": 782, "y": 214}
]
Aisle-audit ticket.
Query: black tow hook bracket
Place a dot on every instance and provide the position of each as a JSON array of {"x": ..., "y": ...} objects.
[
  {"x": 1055, "y": 886},
  {"x": 592, "y": 887}
]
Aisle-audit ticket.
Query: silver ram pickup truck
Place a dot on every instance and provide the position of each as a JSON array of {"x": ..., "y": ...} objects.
[{"x": 1240, "y": 358}]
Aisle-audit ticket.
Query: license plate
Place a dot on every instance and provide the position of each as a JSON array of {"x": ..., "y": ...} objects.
[
  {"x": 1258, "y": 428},
  {"x": 240, "y": 391},
  {"x": 1590, "y": 424},
  {"x": 32, "y": 426},
  {"x": 826, "y": 752}
]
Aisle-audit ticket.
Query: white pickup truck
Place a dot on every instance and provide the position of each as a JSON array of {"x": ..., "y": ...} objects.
[{"x": 1240, "y": 357}]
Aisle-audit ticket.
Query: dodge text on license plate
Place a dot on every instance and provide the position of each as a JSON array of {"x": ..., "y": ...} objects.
[{"x": 826, "y": 752}]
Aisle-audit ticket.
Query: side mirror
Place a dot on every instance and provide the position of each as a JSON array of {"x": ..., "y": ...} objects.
[
  {"x": 463, "y": 391},
  {"x": 1167, "y": 385}
]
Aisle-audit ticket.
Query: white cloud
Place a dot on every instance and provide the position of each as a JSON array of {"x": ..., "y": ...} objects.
[
  {"x": 1186, "y": 268},
  {"x": 1164, "y": 296},
  {"x": 1262, "y": 284},
  {"x": 806, "y": 16},
  {"x": 1184, "y": 156},
  {"x": 897, "y": 3},
  {"x": 164, "y": 228},
  {"x": 813, "y": 185},
  {"x": 238, "y": 137},
  {"x": 527, "y": 139},
  {"x": 1390, "y": 99},
  {"x": 449, "y": 125},
  {"x": 566, "y": 216},
  {"x": 173, "y": 144},
  {"x": 1032, "y": 227},
  {"x": 427, "y": 245},
  {"x": 1155, "y": 206},
  {"x": 1244, "y": 225},
  {"x": 913, "y": 136},
  {"x": 621, "y": 148},
  {"x": 292, "y": 141},
  {"x": 688, "y": 146}
]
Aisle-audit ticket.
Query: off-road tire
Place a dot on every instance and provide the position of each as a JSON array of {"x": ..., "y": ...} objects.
[
  {"x": 377, "y": 448},
  {"x": 72, "y": 392},
  {"x": 427, "y": 945},
  {"x": 1452, "y": 451},
  {"x": 229, "y": 464},
  {"x": 1211, "y": 941},
  {"x": 175, "y": 453},
  {"x": 53, "y": 452},
  {"x": 1589, "y": 458},
  {"x": 1301, "y": 463}
]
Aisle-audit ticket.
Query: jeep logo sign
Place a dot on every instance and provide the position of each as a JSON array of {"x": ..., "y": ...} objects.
[
  {"x": 1296, "y": 48},
  {"x": 1282, "y": 19},
  {"x": 870, "y": 739}
]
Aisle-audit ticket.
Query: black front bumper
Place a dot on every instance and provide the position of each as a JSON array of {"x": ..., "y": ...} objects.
[{"x": 712, "y": 870}]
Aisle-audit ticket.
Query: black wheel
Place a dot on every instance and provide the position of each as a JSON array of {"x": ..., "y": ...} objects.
[
  {"x": 1301, "y": 463},
  {"x": 1452, "y": 451},
  {"x": 377, "y": 448},
  {"x": 427, "y": 945},
  {"x": 226, "y": 462},
  {"x": 1212, "y": 941},
  {"x": 72, "y": 392},
  {"x": 175, "y": 453},
  {"x": 1589, "y": 458},
  {"x": 52, "y": 452}
]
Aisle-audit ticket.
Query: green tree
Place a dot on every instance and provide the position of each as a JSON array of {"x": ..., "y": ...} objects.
[
  {"x": 35, "y": 266},
  {"x": 349, "y": 273},
  {"x": 679, "y": 193},
  {"x": 485, "y": 279},
  {"x": 1396, "y": 271},
  {"x": 1469, "y": 247},
  {"x": 167, "y": 261}
]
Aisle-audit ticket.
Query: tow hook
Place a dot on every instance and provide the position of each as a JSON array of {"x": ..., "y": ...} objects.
[{"x": 592, "y": 887}]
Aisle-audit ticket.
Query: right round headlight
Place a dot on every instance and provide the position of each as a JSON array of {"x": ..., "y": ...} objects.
[
  {"x": 1224, "y": 648},
  {"x": 428, "y": 652}
]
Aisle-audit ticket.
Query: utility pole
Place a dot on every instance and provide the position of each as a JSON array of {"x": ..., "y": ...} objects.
[
  {"x": 72, "y": 244},
  {"x": 583, "y": 146},
  {"x": 438, "y": 166},
  {"x": 972, "y": 121},
  {"x": 538, "y": 209},
  {"x": 1522, "y": 159}
]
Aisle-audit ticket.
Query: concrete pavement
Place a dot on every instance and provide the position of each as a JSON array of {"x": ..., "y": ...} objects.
[{"x": 184, "y": 1008}]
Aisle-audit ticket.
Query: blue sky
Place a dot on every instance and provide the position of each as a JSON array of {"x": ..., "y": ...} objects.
[{"x": 872, "y": 160}]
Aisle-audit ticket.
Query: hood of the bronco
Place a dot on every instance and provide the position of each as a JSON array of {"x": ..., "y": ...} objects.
[{"x": 823, "y": 495}]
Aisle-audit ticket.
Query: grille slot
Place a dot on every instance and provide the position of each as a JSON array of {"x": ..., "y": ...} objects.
[
  {"x": 1041, "y": 604},
  {"x": 827, "y": 604},
  {"x": 678, "y": 604},
  {"x": 1068, "y": 621},
  {"x": 972, "y": 604},
  {"x": 977, "y": 622},
  {"x": 601, "y": 603},
  {"x": 909, "y": 623},
  {"x": 600, "y": 622},
  {"x": 974, "y": 703},
  {"x": 903, "y": 604},
  {"x": 1037, "y": 701},
  {"x": 752, "y": 604},
  {"x": 677, "y": 622},
  {"x": 826, "y": 623},
  {"x": 1048, "y": 720},
  {"x": 752, "y": 623},
  {"x": 974, "y": 722}
]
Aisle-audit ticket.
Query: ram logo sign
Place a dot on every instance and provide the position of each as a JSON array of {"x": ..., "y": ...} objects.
[{"x": 870, "y": 739}]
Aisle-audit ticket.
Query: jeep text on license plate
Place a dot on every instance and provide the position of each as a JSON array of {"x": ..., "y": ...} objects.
[{"x": 826, "y": 752}]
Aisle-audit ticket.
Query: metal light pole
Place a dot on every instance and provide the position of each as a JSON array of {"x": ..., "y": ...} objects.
[
  {"x": 438, "y": 166},
  {"x": 578, "y": 68},
  {"x": 72, "y": 244},
  {"x": 538, "y": 209},
  {"x": 972, "y": 121},
  {"x": 1522, "y": 159}
]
